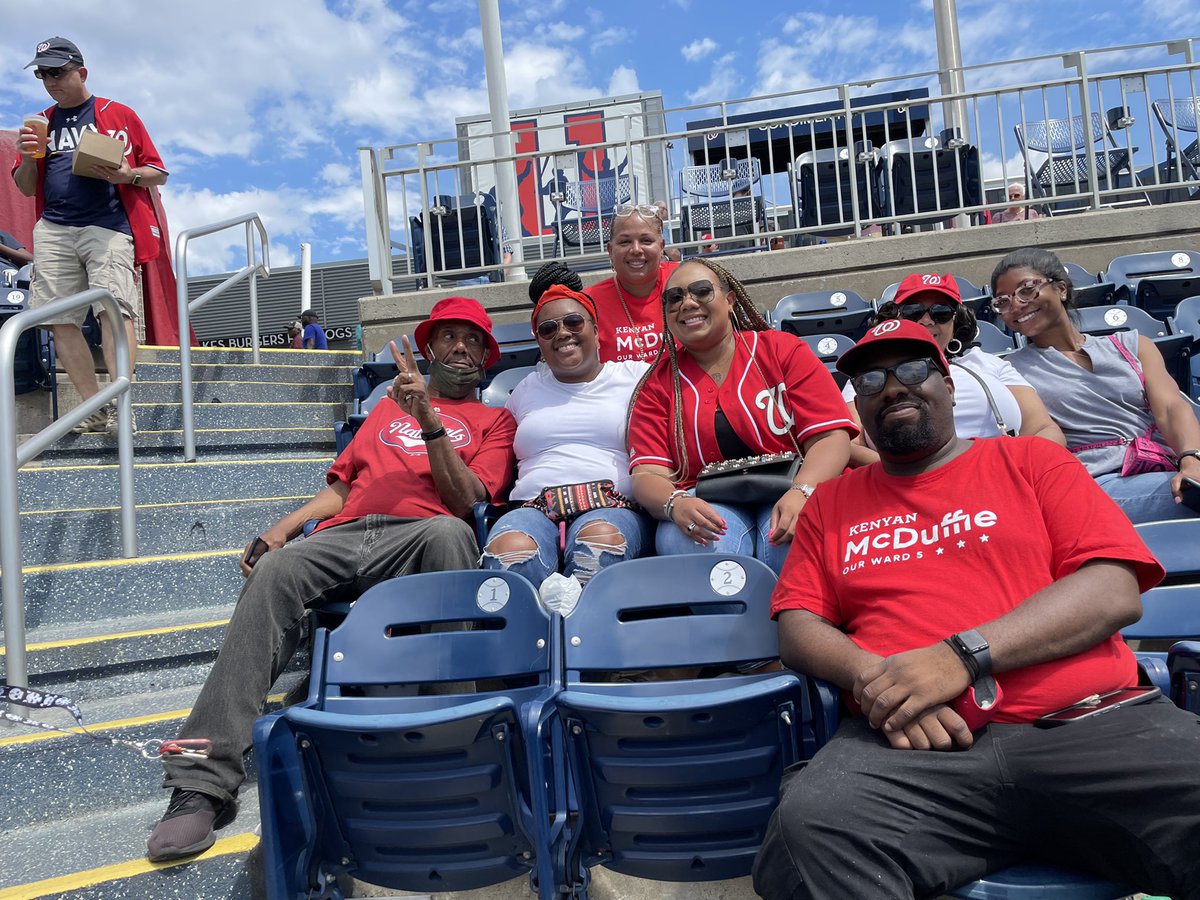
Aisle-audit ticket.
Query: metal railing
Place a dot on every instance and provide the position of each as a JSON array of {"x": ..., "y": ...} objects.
[
  {"x": 255, "y": 264},
  {"x": 857, "y": 147},
  {"x": 12, "y": 457}
]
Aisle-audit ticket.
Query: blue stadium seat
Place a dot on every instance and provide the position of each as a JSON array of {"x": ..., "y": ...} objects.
[
  {"x": 1186, "y": 320},
  {"x": 992, "y": 340},
  {"x": 828, "y": 348},
  {"x": 1090, "y": 289},
  {"x": 1040, "y": 883},
  {"x": 343, "y": 432},
  {"x": 678, "y": 778},
  {"x": 1156, "y": 281},
  {"x": 823, "y": 312},
  {"x": 928, "y": 174},
  {"x": 427, "y": 756},
  {"x": 499, "y": 388},
  {"x": 1176, "y": 349},
  {"x": 1175, "y": 544},
  {"x": 823, "y": 192}
]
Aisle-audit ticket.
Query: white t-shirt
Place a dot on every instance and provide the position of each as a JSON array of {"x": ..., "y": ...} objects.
[
  {"x": 568, "y": 433},
  {"x": 972, "y": 414}
]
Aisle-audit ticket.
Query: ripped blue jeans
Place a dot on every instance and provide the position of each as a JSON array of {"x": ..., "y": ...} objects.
[{"x": 581, "y": 558}]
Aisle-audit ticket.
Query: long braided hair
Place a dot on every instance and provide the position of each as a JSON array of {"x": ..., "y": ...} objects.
[{"x": 745, "y": 317}]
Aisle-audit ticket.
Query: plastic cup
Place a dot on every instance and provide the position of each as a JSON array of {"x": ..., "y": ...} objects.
[{"x": 41, "y": 127}]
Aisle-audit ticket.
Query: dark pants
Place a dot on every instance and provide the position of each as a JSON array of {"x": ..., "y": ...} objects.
[
  {"x": 1116, "y": 796},
  {"x": 336, "y": 564}
]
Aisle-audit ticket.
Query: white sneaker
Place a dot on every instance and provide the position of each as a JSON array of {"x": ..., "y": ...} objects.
[
  {"x": 96, "y": 422},
  {"x": 110, "y": 421}
]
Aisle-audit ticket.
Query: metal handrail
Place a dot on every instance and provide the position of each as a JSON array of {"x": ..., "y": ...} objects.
[
  {"x": 12, "y": 457},
  {"x": 251, "y": 270}
]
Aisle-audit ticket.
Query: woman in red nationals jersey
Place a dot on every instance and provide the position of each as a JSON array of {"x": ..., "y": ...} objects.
[
  {"x": 732, "y": 388},
  {"x": 629, "y": 303}
]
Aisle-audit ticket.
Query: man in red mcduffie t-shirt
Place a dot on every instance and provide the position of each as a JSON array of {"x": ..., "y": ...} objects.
[
  {"x": 395, "y": 504},
  {"x": 947, "y": 574}
]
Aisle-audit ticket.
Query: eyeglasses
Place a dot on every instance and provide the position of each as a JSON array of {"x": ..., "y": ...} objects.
[
  {"x": 621, "y": 210},
  {"x": 941, "y": 313},
  {"x": 1024, "y": 292},
  {"x": 701, "y": 291},
  {"x": 908, "y": 373},
  {"x": 573, "y": 322},
  {"x": 58, "y": 72}
]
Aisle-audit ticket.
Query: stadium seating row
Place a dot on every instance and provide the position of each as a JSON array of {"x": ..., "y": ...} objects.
[{"x": 457, "y": 735}]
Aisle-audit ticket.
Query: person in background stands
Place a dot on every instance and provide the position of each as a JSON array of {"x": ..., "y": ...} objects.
[
  {"x": 93, "y": 229},
  {"x": 630, "y": 303},
  {"x": 314, "y": 334},
  {"x": 13, "y": 254},
  {"x": 1015, "y": 213},
  {"x": 296, "y": 333},
  {"x": 396, "y": 503},
  {"x": 918, "y": 584}
]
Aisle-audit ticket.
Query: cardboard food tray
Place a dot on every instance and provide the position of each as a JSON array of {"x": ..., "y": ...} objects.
[{"x": 96, "y": 150}]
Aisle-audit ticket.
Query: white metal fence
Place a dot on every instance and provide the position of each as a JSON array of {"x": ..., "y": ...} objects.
[{"x": 1116, "y": 127}]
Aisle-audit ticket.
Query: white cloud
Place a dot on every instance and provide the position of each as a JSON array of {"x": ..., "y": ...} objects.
[
  {"x": 624, "y": 80},
  {"x": 610, "y": 37},
  {"x": 698, "y": 49},
  {"x": 564, "y": 32},
  {"x": 722, "y": 86}
]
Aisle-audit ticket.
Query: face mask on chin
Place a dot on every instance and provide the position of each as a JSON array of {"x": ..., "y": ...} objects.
[{"x": 451, "y": 381}]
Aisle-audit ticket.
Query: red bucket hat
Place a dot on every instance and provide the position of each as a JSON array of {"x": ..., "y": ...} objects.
[
  {"x": 459, "y": 309},
  {"x": 892, "y": 331},
  {"x": 921, "y": 284}
]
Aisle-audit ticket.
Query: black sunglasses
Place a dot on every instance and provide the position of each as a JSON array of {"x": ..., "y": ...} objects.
[
  {"x": 58, "y": 72},
  {"x": 573, "y": 322},
  {"x": 908, "y": 373},
  {"x": 702, "y": 291},
  {"x": 941, "y": 313}
]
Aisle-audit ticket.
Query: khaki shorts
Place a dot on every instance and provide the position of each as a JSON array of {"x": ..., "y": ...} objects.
[{"x": 68, "y": 259}]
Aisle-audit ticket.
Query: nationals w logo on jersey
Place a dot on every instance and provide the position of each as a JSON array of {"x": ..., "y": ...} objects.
[{"x": 779, "y": 420}]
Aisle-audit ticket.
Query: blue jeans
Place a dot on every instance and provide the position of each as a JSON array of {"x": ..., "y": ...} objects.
[
  {"x": 1144, "y": 498},
  {"x": 580, "y": 558},
  {"x": 746, "y": 533}
]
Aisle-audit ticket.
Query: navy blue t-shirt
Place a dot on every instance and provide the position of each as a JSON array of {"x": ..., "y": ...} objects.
[
  {"x": 315, "y": 333},
  {"x": 74, "y": 199}
]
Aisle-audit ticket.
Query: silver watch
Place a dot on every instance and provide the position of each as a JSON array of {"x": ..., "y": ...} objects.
[{"x": 805, "y": 489}]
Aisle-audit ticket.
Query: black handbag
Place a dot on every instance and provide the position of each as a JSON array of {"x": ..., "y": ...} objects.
[{"x": 751, "y": 479}]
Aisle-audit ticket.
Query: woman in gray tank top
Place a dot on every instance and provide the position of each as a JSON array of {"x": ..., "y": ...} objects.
[{"x": 1103, "y": 392}]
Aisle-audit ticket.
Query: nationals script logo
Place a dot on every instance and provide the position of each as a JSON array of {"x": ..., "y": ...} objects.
[{"x": 405, "y": 433}]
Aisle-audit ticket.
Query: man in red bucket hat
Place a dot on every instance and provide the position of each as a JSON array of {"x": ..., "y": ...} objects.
[{"x": 395, "y": 504}]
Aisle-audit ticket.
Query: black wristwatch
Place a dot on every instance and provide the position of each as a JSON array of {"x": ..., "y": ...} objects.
[
  {"x": 972, "y": 648},
  {"x": 1195, "y": 453}
]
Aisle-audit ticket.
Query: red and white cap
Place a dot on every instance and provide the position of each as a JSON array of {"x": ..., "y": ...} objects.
[
  {"x": 921, "y": 284},
  {"x": 894, "y": 334}
]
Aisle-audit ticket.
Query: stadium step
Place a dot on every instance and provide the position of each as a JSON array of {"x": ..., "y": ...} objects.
[
  {"x": 265, "y": 373},
  {"x": 145, "y": 391},
  {"x": 239, "y": 356}
]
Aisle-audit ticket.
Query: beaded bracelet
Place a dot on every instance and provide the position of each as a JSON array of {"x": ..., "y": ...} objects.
[{"x": 669, "y": 506}]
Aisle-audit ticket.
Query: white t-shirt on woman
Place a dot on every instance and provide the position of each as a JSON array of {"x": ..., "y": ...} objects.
[
  {"x": 568, "y": 433},
  {"x": 973, "y": 415}
]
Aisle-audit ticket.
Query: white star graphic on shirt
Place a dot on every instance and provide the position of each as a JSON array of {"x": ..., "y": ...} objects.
[
  {"x": 961, "y": 544},
  {"x": 983, "y": 539},
  {"x": 941, "y": 550}
]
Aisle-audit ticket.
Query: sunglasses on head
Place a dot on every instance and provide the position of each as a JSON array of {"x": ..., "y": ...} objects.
[
  {"x": 621, "y": 210},
  {"x": 941, "y": 313},
  {"x": 701, "y": 291},
  {"x": 573, "y": 322},
  {"x": 908, "y": 373},
  {"x": 57, "y": 72}
]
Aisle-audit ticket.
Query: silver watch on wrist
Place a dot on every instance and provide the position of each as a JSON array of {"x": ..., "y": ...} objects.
[{"x": 802, "y": 487}]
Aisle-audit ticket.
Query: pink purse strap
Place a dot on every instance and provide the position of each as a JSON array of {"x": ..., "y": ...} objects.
[{"x": 1133, "y": 364}]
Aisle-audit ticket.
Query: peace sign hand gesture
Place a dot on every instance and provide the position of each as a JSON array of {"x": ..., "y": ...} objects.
[{"x": 408, "y": 389}]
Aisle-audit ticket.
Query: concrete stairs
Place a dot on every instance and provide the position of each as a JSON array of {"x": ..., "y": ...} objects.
[{"x": 131, "y": 640}]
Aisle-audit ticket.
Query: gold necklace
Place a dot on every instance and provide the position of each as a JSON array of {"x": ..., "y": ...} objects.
[{"x": 621, "y": 297}]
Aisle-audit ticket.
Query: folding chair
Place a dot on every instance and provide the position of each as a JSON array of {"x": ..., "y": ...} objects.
[
  {"x": 583, "y": 220},
  {"x": 720, "y": 200},
  {"x": 464, "y": 235},
  {"x": 823, "y": 312},
  {"x": 678, "y": 778},
  {"x": 425, "y": 757},
  {"x": 824, "y": 194},
  {"x": 1176, "y": 117},
  {"x": 1065, "y": 169}
]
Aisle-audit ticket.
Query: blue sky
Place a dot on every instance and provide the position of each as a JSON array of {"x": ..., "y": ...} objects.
[{"x": 261, "y": 105}]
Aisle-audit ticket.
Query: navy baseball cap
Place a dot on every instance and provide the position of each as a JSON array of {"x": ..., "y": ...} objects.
[{"x": 55, "y": 52}]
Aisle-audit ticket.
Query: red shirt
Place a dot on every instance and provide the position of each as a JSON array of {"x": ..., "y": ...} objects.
[
  {"x": 903, "y": 562},
  {"x": 635, "y": 334},
  {"x": 775, "y": 386},
  {"x": 387, "y": 464}
]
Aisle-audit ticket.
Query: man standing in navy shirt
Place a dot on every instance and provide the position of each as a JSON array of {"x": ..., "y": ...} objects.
[
  {"x": 314, "y": 334},
  {"x": 93, "y": 229}
]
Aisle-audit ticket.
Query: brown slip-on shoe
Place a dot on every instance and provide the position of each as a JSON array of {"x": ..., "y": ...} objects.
[{"x": 187, "y": 826}]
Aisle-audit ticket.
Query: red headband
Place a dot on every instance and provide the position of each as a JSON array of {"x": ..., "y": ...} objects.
[{"x": 562, "y": 292}]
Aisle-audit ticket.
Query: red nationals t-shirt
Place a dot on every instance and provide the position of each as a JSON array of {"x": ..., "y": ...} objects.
[{"x": 633, "y": 331}]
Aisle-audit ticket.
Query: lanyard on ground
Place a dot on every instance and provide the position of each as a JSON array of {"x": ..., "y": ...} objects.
[{"x": 154, "y": 748}]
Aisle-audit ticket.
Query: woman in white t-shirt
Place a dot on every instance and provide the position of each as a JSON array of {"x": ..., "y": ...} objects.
[
  {"x": 988, "y": 391},
  {"x": 570, "y": 416}
]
